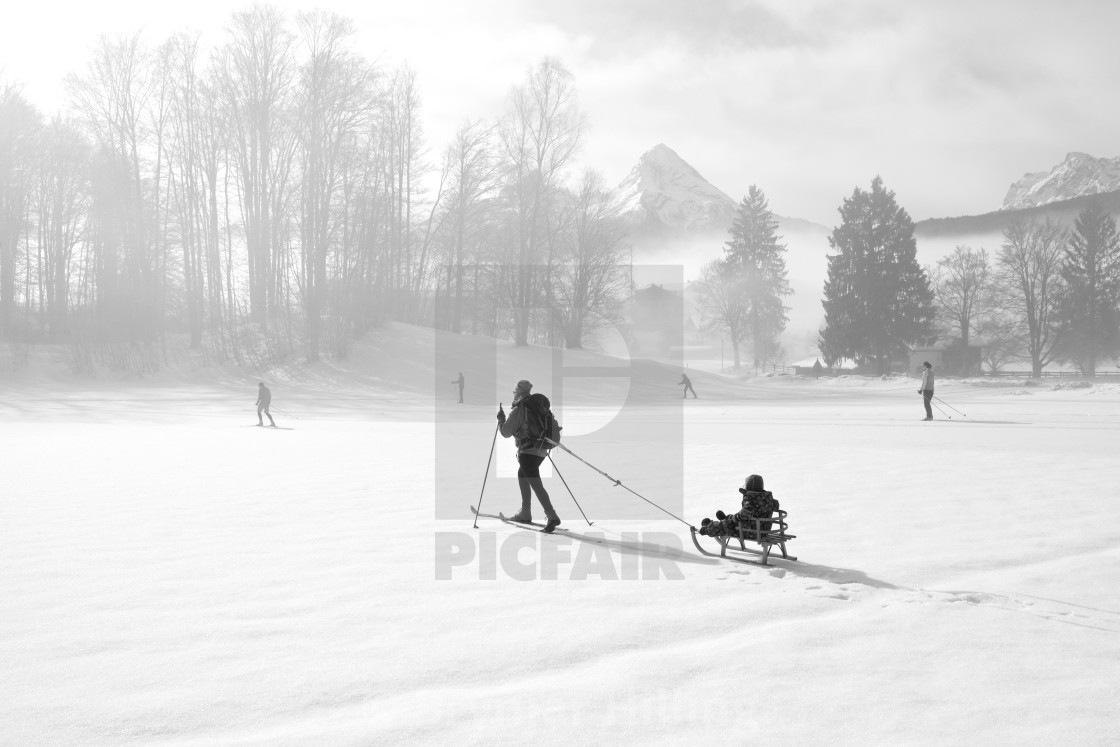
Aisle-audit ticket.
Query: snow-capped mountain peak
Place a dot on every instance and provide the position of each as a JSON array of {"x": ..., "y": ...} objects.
[
  {"x": 1078, "y": 175},
  {"x": 663, "y": 189}
]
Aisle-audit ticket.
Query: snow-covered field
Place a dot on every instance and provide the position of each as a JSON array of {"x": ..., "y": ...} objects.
[{"x": 169, "y": 576}]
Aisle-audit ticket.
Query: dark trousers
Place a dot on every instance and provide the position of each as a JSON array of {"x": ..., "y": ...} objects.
[
  {"x": 927, "y": 396},
  {"x": 529, "y": 476}
]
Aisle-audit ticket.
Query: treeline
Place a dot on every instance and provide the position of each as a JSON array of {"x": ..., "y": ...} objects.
[
  {"x": 1051, "y": 294},
  {"x": 276, "y": 196}
]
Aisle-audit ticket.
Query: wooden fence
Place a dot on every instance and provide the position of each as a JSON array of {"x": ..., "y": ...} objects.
[
  {"x": 774, "y": 369},
  {"x": 762, "y": 369},
  {"x": 1052, "y": 374}
]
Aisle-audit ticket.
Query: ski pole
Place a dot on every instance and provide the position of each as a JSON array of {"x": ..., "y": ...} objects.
[
  {"x": 941, "y": 410},
  {"x": 589, "y": 522},
  {"x": 950, "y": 406},
  {"x": 487, "y": 472}
]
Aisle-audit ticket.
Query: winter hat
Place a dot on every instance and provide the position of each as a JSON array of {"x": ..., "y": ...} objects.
[
  {"x": 753, "y": 485},
  {"x": 523, "y": 388}
]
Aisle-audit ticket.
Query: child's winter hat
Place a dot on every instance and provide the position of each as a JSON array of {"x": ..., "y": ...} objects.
[
  {"x": 523, "y": 387},
  {"x": 753, "y": 484}
]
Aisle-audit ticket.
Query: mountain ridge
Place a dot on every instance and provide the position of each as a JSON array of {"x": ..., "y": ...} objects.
[
  {"x": 663, "y": 193},
  {"x": 995, "y": 221},
  {"x": 1078, "y": 175}
]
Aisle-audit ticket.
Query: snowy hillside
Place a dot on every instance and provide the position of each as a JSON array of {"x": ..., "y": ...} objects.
[
  {"x": 1078, "y": 175},
  {"x": 171, "y": 574}
]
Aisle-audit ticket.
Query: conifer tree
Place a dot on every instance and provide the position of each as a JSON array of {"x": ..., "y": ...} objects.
[
  {"x": 756, "y": 251},
  {"x": 1091, "y": 271},
  {"x": 754, "y": 271},
  {"x": 877, "y": 299}
]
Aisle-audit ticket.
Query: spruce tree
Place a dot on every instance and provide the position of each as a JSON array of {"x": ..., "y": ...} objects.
[
  {"x": 754, "y": 254},
  {"x": 877, "y": 299},
  {"x": 1092, "y": 273}
]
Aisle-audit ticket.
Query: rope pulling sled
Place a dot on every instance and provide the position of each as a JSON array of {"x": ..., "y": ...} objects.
[{"x": 776, "y": 533}]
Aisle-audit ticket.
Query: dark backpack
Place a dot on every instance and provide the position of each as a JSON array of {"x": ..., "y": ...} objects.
[{"x": 539, "y": 422}]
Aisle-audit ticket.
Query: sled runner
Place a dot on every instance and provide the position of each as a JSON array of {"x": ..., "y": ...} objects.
[{"x": 750, "y": 530}]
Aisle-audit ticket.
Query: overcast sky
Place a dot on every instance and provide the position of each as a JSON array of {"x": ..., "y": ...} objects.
[{"x": 949, "y": 101}]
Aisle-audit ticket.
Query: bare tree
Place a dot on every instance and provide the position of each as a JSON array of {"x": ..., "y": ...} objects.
[
  {"x": 962, "y": 289},
  {"x": 540, "y": 136},
  {"x": 112, "y": 102},
  {"x": 186, "y": 173},
  {"x": 1029, "y": 274},
  {"x": 473, "y": 172},
  {"x": 1002, "y": 341},
  {"x": 256, "y": 70},
  {"x": 404, "y": 141},
  {"x": 336, "y": 106},
  {"x": 589, "y": 276},
  {"x": 723, "y": 301},
  {"x": 18, "y": 124},
  {"x": 61, "y": 204}
]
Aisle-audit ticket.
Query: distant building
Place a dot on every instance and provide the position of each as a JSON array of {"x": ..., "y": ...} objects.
[
  {"x": 950, "y": 357},
  {"x": 655, "y": 321},
  {"x": 813, "y": 367}
]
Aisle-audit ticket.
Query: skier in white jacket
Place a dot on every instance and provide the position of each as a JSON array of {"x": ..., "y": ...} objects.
[{"x": 926, "y": 389}]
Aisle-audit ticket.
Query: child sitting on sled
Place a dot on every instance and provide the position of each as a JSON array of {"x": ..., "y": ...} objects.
[{"x": 758, "y": 503}]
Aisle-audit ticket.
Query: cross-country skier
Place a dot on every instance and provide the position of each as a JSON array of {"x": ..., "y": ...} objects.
[
  {"x": 460, "y": 381},
  {"x": 529, "y": 457},
  {"x": 264, "y": 399},
  {"x": 926, "y": 389},
  {"x": 687, "y": 386}
]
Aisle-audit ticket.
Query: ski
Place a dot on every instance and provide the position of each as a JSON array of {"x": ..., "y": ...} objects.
[
  {"x": 595, "y": 540},
  {"x": 502, "y": 517},
  {"x": 540, "y": 526}
]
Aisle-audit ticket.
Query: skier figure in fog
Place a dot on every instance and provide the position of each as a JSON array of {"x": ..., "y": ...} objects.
[
  {"x": 264, "y": 399},
  {"x": 687, "y": 386},
  {"x": 530, "y": 455},
  {"x": 926, "y": 389},
  {"x": 460, "y": 381}
]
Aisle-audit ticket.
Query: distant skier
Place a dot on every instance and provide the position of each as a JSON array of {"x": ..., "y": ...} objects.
[
  {"x": 530, "y": 455},
  {"x": 687, "y": 386},
  {"x": 460, "y": 381},
  {"x": 264, "y": 399},
  {"x": 926, "y": 389}
]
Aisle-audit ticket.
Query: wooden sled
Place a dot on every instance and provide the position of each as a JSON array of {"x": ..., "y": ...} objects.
[{"x": 750, "y": 530}]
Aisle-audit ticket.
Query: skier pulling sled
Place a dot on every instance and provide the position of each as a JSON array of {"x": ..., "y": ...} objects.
[{"x": 755, "y": 522}]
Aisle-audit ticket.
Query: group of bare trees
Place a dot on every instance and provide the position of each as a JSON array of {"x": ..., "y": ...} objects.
[
  {"x": 276, "y": 194},
  {"x": 1051, "y": 296}
]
